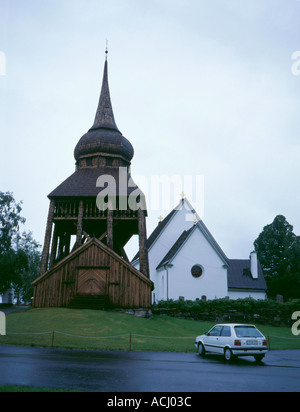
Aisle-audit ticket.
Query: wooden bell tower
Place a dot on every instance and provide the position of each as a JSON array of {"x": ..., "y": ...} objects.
[{"x": 103, "y": 157}]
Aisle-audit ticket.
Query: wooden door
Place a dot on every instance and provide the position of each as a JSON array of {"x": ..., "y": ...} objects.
[{"x": 91, "y": 281}]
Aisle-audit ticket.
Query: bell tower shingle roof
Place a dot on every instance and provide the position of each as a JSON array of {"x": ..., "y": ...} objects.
[
  {"x": 104, "y": 138},
  {"x": 104, "y": 116}
]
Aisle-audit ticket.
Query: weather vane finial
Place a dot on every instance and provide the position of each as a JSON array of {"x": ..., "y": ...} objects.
[{"x": 106, "y": 50}]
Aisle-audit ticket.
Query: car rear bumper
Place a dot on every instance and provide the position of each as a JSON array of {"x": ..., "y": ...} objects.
[{"x": 248, "y": 351}]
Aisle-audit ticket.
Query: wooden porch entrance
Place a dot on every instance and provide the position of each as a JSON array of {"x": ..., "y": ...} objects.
[{"x": 91, "y": 281}]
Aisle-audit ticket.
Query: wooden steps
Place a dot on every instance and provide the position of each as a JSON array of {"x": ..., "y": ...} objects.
[{"x": 96, "y": 302}]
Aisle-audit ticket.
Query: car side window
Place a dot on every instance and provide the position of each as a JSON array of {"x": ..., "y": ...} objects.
[
  {"x": 226, "y": 331},
  {"x": 215, "y": 331}
]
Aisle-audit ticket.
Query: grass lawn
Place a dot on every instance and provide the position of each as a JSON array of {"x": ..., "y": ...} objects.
[{"x": 90, "y": 329}]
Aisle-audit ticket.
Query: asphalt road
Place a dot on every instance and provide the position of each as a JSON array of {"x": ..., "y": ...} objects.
[{"x": 157, "y": 372}]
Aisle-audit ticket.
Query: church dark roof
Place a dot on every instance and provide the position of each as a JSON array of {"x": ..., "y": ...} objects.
[{"x": 239, "y": 276}]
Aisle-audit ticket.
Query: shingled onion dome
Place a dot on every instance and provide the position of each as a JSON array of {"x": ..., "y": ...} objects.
[{"x": 104, "y": 139}]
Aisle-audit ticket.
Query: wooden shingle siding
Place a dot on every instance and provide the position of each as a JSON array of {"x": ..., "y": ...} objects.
[{"x": 126, "y": 287}]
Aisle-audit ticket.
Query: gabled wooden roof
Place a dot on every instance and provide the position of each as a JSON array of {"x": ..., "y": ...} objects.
[{"x": 82, "y": 249}]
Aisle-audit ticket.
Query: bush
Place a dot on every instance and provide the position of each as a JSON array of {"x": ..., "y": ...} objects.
[
  {"x": 6, "y": 305},
  {"x": 240, "y": 310}
]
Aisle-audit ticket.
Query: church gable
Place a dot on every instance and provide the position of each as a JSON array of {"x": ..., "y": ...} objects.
[
  {"x": 161, "y": 240},
  {"x": 193, "y": 268},
  {"x": 175, "y": 249},
  {"x": 196, "y": 242}
]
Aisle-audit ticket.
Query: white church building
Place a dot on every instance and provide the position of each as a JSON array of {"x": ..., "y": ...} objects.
[{"x": 187, "y": 263}]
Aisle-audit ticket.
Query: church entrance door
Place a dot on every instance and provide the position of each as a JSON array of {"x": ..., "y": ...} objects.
[{"x": 91, "y": 281}]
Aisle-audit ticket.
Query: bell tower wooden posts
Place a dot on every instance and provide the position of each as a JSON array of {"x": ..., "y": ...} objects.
[{"x": 100, "y": 198}]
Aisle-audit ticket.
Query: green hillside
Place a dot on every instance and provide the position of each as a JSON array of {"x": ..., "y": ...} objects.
[{"x": 91, "y": 329}]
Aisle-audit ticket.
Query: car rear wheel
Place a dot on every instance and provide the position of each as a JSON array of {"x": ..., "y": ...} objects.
[
  {"x": 228, "y": 354},
  {"x": 201, "y": 349}
]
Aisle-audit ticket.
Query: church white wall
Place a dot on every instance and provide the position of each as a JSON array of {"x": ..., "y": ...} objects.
[
  {"x": 179, "y": 280},
  {"x": 181, "y": 221},
  {"x": 178, "y": 224}
]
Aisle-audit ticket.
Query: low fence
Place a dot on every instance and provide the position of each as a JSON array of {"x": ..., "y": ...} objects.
[
  {"x": 129, "y": 337},
  {"x": 133, "y": 341}
]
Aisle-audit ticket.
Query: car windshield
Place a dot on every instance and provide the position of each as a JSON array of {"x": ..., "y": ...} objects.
[{"x": 247, "y": 332}]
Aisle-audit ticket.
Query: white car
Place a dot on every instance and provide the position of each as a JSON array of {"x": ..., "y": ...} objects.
[{"x": 233, "y": 339}]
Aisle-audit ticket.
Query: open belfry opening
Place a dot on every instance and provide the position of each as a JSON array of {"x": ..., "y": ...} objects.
[{"x": 92, "y": 215}]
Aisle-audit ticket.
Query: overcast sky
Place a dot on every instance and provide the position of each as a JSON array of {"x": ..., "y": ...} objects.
[{"x": 199, "y": 87}]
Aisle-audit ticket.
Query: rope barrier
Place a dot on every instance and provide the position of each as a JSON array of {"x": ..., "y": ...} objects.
[
  {"x": 164, "y": 337},
  {"x": 101, "y": 337},
  {"x": 29, "y": 333},
  {"x": 117, "y": 336},
  {"x": 91, "y": 337},
  {"x": 281, "y": 337},
  {"x": 130, "y": 335}
]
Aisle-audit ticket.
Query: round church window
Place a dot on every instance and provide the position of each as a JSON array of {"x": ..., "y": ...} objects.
[{"x": 197, "y": 271}]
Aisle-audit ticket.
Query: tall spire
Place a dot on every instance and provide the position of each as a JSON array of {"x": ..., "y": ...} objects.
[
  {"x": 104, "y": 137},
  {"x": 104, "y": 116}
]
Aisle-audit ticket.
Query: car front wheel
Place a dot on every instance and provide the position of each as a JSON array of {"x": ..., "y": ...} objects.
[
  {"x": 228, "y": 354},
  {"x": 201, "y": 349}
]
